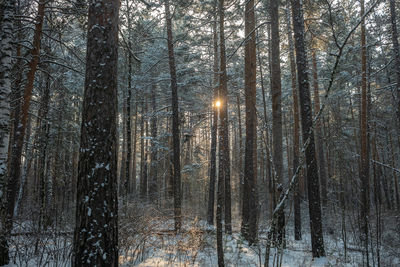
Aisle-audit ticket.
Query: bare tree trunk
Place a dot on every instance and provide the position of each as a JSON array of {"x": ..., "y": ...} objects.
[
  {"x": 318, "y": 134},
  {"x": 224, "y": 156},
  {"x": 220, "y": 203},
  {"x": 364, "y": 170},
  {"x": 317, "y": 240},
  {"x": 135, "y": 145},
  {"x": 14, "y": 174},
  {"x": 6, "y": 38},
  {"x": 296, "y": 129},
  {"x": 96, "y": 232},
  {"x": 213, "y": 166},
  {"x": 175, "y": 123},
  {"x": 265, "y": 130},
  {"x": 43, "y": 136},
  {"x": 153, "y": 187},
  {"x": 250, "y": 205},
  {"x": 395, "y": 180},
  {"x": 127, "y": 170},
  {"x": 276, "y": 93},
  {"x": 396, "y": 49},
  {"x": 143, "y": 166}
]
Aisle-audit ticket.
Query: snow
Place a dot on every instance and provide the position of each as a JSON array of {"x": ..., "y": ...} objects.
[{"x": 153, "y": 243}]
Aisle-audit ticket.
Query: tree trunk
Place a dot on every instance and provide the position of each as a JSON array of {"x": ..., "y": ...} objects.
[
  {"x": 127, "y": 182},
  {"x": 96, "y": 232},
  {"x": 224, "y": 157},
  {"x": 175, "y": 122},
  {"x": 134, "y": 146},
  {"x": 43, "y": 136},
  {"x": 318, "y": 134},
  {"x": 153, "y": 187},
  {"x": 296, "y": 130},
  {"x": 364, "y": 170},
  {"x": 250, "y": 205},
  {"x": 213, "y": 166},
  {"x": 143, "y": 158},
  {"x": 220, "y": 203},
  {"x": 14, "y": 174},
  {"x": 6, "y": 35},
  {"x": 396, "y": 49},
  {"x": 6, "y": 38},
  {"x": 276, "y": 93},
  {"x": 317, "y": 240}
]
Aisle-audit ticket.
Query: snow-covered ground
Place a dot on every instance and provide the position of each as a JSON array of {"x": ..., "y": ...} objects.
[{"x": 148, "y": 240}]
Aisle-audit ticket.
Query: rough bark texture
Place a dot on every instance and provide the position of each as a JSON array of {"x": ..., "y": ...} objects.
[
  {"x": 296, "y": 129},
  {"x": 250, "y": 205},
  {"x": 318, "y": 134},
  {"x": 175, "y": 122},
  {"x": 96, "y": 231},
  {"x": 307, "y": 122},
  {"x": 6, "y": 37},
  {"x": 276, "y": 93}
]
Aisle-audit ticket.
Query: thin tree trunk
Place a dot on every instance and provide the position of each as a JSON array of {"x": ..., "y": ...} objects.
[
  {"x": 224, "y": 157},
  {"x": 213, "y": 159},
  {"x": 220, "y": 203},
  {"x": 317, "y": 241},
  {"x": 396, "y": 49},
  {"x": 153, "y": 187},
  {"x": 127, "y": 176},
  {"x": 318, "y": 134},
  {"x": 143, "y": 168},
  {"x": 96, "y": 232},
  {"x": 364, "y": 170},
  {"x": 135, "y": 145},
  {"x": 175, "y": 122}
]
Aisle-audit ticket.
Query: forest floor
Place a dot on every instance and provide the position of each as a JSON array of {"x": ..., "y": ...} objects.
[{"x": 147, "y": 239}]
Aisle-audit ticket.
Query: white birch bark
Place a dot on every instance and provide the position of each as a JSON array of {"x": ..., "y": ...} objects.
[{"x": 6, "y": 37}]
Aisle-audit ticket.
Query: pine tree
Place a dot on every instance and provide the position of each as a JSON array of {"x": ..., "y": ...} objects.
[
  {"x": 96, "y": 231},
  {"x": 317, "y": 241},
  {"x": 250, "y": 205}
]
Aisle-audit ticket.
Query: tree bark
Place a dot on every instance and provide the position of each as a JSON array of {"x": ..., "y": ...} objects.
[
  {"x": 250, "y": 205},
  {"x": 14, "y": 174},
  {"x": 175, "y": 122},
  {"x": 6, "y": 37},
  {"x": 317, "y": 241},
  {"x": 276, "y": 93},
  {"x": 296, "y": 129},
  {"x": 96, "y": 231}
]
